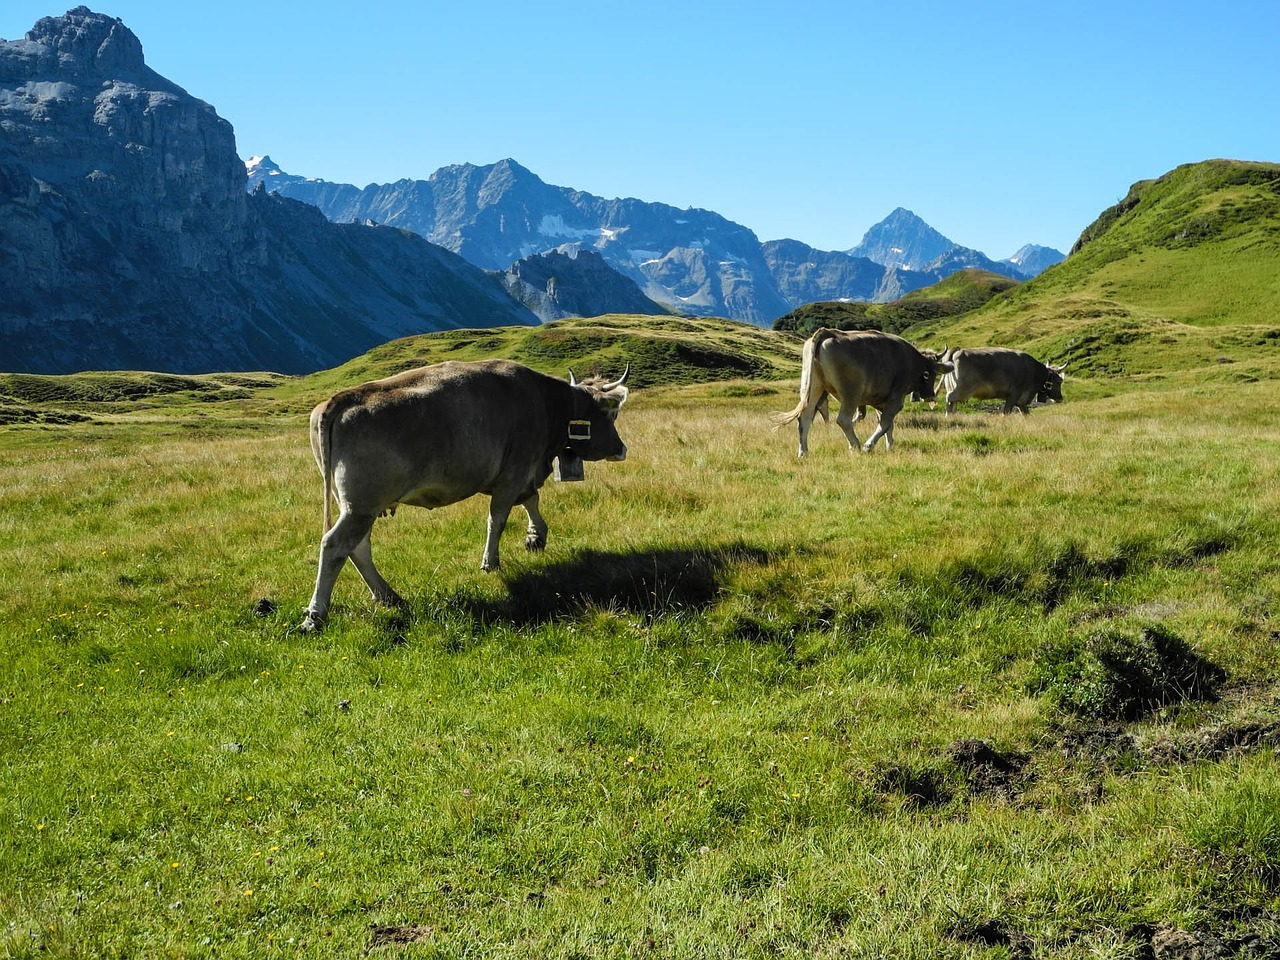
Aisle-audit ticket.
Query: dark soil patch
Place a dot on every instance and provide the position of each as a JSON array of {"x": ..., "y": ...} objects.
[
  {"x": 920, "y": 788},
  {"x": 1161, "y": 942},
  {"x": 1215, "y": 743},
  {"x": 986, "y": 770},
  {"x": 994, "y": 933},
  {"x": 385, "y": 935}
]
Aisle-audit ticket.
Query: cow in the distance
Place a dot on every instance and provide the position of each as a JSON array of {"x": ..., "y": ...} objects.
[
  {"x": 860, "y": 368},
  {"x": 436, "y": 435},
  {"x": 998, "y": 373}
]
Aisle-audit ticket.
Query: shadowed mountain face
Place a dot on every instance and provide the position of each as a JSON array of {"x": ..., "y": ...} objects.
[
  {"x": 574, "y": 283},
  {"x": 127, "y": 239}
]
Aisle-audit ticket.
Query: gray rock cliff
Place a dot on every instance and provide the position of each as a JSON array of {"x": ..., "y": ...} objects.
[{"x": 128, "y": 240}]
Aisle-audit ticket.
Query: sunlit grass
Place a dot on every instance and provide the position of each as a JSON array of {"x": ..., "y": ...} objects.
[{"x": 717, "y": 717}]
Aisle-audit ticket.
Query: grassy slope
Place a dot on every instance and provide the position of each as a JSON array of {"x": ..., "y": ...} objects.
[
  {"x": 1177, "y": 283},
  {"x": 963, "y": 291},
  {"x": 725, "y": 714}
]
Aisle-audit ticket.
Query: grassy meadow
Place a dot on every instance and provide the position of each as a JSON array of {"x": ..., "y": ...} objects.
[{"x": 1008, "y": 690}]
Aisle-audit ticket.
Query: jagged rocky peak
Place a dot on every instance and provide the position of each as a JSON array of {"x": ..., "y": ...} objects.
[
  {"x": 84, "y": 43},
  {"x": 902, "y": 240},
  {"x": 264, "y": 166}
]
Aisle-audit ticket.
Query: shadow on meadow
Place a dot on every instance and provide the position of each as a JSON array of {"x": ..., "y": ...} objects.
[{"x": 645, "y": 582}]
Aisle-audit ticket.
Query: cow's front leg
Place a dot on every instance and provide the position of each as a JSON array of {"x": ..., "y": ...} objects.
[
  {"x": 340, "y": 542},
  {"x": 536, "y": 533},
  {"x": 499, "y": 510}
]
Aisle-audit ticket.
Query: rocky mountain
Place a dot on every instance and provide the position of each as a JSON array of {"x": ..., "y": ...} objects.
[
  {"x": 691, "y": 261},
  {"x": 574, "y": 283},
  {"x": 905, "y": 242},
  {"x": 128, "y": 239},
  {"x": 805, "y": 275},
  {"x": 1034, "y": 260}
]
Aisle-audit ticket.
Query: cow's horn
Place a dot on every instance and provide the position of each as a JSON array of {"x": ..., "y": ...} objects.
[
  {"x": 572, "y": 378},
  {"x": 617, "y": 383}
]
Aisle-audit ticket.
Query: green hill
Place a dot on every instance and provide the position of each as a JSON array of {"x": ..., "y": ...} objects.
[
  {"x": 959, "y": 293},
  {"x": 660, "y": 350},
  {"x": 1180, "y": 279}
]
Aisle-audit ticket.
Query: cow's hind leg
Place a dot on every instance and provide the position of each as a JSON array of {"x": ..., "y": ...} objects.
[
  {"x": 847, "y": 417},
  {"x": 340, "y": 542},
  {"x": 379, "y": 589},
  {"x": 885, "y": 429},
  {"x": 802, "y": 426},
  {"x": 536, "y": 533}
]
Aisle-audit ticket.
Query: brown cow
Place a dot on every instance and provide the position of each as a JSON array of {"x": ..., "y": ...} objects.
[
  {"x": 860, "y": 368},
  {"x": 439, "y": 434},
  {"x": 997, "y": 373}
]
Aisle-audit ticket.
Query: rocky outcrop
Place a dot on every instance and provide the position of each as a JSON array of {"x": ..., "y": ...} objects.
[{"x": 128, "y": 240}]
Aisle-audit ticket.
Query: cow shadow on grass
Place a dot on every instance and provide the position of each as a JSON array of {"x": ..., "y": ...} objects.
[{"x": 646, "y": 583}]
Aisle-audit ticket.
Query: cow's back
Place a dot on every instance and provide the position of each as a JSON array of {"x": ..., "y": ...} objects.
[
  {"x": 434, "y": 435},
  {"x": 868, "y": 367}
]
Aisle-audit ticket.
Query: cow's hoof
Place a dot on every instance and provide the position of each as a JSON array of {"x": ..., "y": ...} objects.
[
  {"x": 311, "y": 623},
  {"x": 535, "y": 543},
  {"x": 488, "y": 567}
]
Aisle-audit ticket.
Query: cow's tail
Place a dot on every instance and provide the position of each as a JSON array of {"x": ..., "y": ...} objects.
[
  {"x": 810, "y": 382},
  {"x": 322, "y": 439}
]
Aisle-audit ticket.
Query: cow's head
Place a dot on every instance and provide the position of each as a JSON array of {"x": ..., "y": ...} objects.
[
  {"x": 591, "y": 433},
  {"x": 1051, "y": 389},
  {"x": 934, "y": 367}
]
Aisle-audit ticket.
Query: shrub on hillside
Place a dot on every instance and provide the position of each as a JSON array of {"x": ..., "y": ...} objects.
[{"x": 1120, "y": 673}]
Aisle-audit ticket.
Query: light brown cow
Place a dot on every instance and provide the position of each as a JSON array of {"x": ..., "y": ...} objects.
[
  {"x": 860, "y": 368},
  {"x": 439, "y": 434},
  {"x": 998, "y": 373}
]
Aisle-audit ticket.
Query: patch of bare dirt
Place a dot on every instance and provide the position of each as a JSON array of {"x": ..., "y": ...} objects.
[
  {"x": 987, "y": 770},
  {"x": 381, "y": 935}
]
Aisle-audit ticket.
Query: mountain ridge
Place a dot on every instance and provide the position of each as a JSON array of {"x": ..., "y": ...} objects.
[{"x": 692, "y": 261}]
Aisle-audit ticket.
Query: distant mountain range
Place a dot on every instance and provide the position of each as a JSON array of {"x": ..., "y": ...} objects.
[
  {"x": 133, "y": 237},
  {"x": 128, "y": 241},
  {"x": 690, "y": 261}
]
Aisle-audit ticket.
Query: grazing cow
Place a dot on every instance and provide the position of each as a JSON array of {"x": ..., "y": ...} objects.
[
  {"x": 860, "y": 368},
  {"x": 439, "y": 434},
  {"x": 996, "y": 373}
]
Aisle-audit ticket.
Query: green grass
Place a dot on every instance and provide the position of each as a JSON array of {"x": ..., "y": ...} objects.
[
  {"x": 1008, "y": 691},
  {"x": 743, "y": 705}
]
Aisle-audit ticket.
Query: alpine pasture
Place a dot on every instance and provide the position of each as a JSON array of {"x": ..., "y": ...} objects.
[{"x": 1008, "y": 690}]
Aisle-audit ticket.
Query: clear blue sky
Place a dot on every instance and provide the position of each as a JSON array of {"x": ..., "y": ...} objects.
[{"x": 999, "y": 123}]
